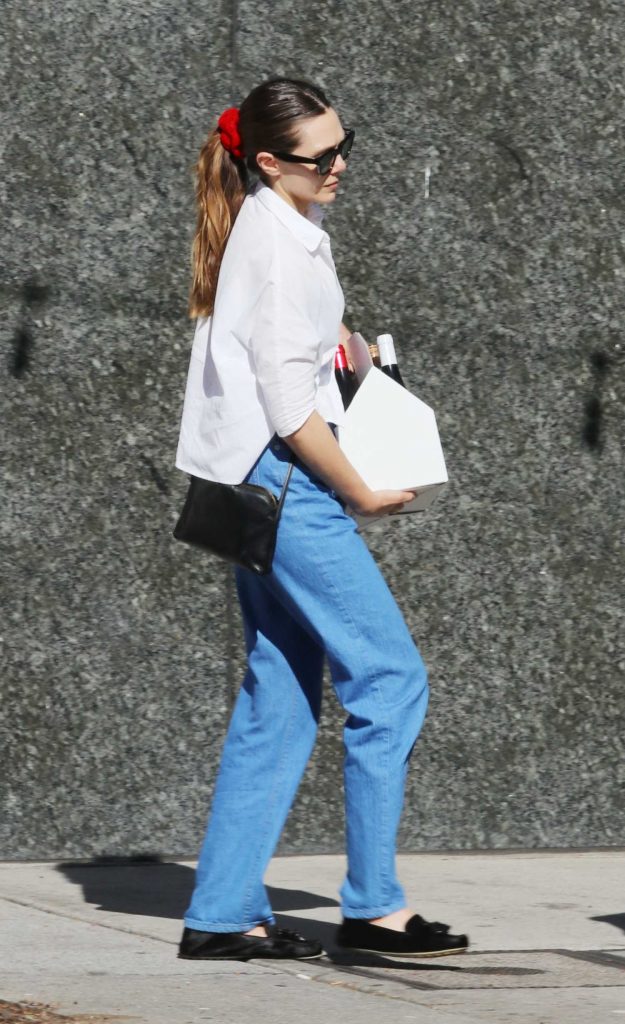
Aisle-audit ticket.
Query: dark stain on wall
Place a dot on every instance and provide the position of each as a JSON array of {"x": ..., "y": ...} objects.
[
  {"x": 593, "y": 429},
  {"x": 157, "y": 477},
  {"x": 33, "y": 296}
]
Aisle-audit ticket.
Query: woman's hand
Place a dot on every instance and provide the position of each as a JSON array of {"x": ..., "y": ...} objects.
[{"x": 382, "y": 503}]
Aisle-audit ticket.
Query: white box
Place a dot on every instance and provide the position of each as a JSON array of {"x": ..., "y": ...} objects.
[{"x": 390, "y": 436}]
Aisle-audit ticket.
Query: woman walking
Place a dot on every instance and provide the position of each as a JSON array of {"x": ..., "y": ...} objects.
[{"x": 261, "y": 392}]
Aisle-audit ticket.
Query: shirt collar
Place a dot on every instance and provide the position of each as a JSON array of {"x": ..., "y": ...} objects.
[{"x": 308, "y": 232}]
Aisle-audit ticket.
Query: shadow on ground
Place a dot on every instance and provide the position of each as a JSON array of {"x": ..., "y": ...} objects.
[
  {"x": 151, "y": 887},
  {"x": 618, "y": 920}
]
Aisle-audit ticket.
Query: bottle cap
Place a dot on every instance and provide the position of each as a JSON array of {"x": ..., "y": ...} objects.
[
  {"x": 387, "y": 349},
  {"x": 340, "y": 359}
]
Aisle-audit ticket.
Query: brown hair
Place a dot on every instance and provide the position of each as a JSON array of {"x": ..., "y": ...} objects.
[{"x": 268, "y": 122}]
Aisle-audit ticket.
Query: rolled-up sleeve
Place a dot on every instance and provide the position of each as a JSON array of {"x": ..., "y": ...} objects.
[{"x": 285, "y": 343}]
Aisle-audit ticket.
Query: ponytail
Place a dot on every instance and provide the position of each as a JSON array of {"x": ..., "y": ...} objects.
[{"x": 220, "y": 187}]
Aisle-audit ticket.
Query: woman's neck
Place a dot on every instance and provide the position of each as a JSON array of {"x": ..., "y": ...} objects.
[{"x": 303, "y": 207}]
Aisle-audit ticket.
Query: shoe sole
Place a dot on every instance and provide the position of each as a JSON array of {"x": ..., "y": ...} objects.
[
  {"x": 386, "y": 952},
  {"x": 253, "y": 956}
]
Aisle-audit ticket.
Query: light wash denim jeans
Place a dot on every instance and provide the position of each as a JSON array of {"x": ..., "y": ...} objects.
[{"x": 325, "y": 596}]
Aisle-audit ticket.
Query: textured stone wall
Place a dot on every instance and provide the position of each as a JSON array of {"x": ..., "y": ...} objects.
[{"x": 481, "y": 223}]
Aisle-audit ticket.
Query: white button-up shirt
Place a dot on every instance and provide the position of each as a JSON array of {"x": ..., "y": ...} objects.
[{"x": 264, "y": 360}]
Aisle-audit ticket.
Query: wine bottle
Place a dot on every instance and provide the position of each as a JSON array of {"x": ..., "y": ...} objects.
[
  {"x": 388, "y": 359},
  {"x": 345, "y": 378}
]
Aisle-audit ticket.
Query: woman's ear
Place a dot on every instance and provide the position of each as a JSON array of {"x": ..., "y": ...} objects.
[{"x": 268, "y": 164}]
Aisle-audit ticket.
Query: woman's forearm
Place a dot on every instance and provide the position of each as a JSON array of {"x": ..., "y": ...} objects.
[{"x": 317, "y": 447}]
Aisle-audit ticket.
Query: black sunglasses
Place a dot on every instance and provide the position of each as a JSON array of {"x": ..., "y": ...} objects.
[{"x": 325, "y": 162}]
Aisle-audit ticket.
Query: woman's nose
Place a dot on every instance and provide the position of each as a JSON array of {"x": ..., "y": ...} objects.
[{"x": 339, "y": 165}]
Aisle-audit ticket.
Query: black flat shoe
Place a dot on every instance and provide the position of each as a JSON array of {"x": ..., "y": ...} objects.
[
  {"x": 279, "y": 944},
  {"x": 420, "y": 938}
]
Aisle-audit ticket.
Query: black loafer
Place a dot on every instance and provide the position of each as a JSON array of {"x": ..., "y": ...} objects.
[
  {"x": 420, "y": 938},
  {"x": 280, "y": 944}
]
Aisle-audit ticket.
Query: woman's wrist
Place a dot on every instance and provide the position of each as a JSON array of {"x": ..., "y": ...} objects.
[{"x": 355, "y": 497}]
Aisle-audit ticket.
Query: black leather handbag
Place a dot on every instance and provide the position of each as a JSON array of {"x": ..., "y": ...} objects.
[{"x": 238, "y": 522}]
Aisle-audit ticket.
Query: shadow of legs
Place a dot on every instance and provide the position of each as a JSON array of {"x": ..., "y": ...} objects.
[{"x": 150, "y": 887}]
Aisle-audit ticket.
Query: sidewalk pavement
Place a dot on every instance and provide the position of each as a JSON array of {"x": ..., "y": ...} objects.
[{"x": 547, "y": 932}]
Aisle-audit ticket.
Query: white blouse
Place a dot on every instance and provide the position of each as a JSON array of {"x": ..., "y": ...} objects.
[{"x": 264, "y": 360}]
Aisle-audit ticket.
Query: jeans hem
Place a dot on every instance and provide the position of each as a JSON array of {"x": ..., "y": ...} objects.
[
  {"x": 224, "y": 927},
  {"x": 369, "y": 912}
]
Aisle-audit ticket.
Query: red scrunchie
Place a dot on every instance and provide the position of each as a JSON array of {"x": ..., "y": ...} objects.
[{"x": 228, "y": 127}]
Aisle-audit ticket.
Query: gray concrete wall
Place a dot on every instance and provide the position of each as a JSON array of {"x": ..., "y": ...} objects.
[{"x": 504, "y": 290}]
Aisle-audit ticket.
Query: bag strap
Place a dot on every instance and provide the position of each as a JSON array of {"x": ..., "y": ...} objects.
[{"x": 284, "y": 486}]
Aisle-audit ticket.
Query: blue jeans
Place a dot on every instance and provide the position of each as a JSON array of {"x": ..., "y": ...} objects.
[{"x": 325, "y": 596}]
